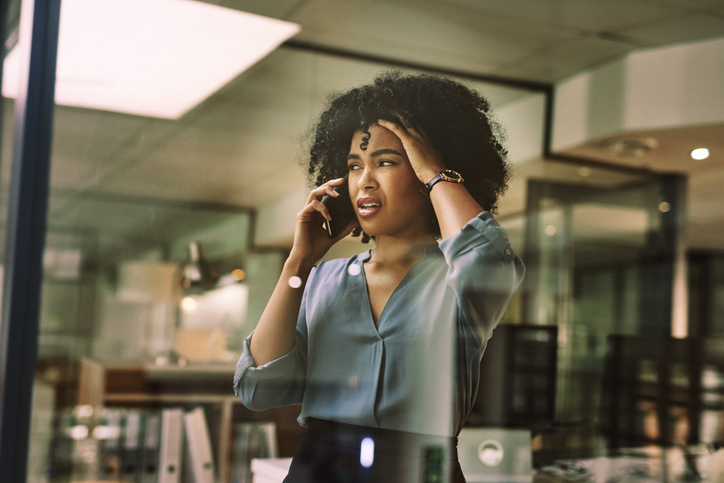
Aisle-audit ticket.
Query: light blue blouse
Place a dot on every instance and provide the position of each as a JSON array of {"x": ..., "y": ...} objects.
[{"x": 417, "y": 369}]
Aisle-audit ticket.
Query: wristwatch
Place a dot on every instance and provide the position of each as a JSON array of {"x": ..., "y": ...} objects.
[{"x": 445, "y": 175}]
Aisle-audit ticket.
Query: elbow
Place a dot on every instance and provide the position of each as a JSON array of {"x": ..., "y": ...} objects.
[
  {"x": 253, "y": 405},
  {"x": 246, "y": 391},
  {"x": 262, "y": 395}
]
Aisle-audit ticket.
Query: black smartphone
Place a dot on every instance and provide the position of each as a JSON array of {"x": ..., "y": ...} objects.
[{"x": 340, "y": 209}]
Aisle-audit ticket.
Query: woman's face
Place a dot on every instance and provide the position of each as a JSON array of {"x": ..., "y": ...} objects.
[{"x": 383, "y": 187}]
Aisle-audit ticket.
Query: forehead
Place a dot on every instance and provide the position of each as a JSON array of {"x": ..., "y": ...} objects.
[{"x": 379, "y": 138}]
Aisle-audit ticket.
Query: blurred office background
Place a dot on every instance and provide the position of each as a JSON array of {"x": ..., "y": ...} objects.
[{"x": 179, "y": 125}]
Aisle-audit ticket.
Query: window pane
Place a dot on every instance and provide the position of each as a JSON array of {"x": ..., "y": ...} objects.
[{"x": 140, "y": 202}]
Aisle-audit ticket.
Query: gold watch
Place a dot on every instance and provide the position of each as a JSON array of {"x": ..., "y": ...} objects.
[{"x": 445, "y": 175}]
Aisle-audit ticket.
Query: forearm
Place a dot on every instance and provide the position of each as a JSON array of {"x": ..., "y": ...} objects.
[
  {"x": 275, "y": 333},
  {"x": 454, "y": 207}
]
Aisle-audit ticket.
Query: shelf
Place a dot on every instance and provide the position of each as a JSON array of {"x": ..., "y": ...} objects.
[
  {"x": 170, "y": 398},
  {"x": 129, "y": 383}
]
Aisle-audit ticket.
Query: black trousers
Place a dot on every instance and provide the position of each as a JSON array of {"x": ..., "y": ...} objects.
[{"x": 334, "y": 452}]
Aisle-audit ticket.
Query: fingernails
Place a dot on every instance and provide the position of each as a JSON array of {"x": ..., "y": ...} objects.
[
  {"x": 329, "y": 218},
  {"x": 334, "y": 193}
]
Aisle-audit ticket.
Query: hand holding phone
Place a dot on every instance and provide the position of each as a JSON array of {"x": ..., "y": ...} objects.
[{"x": 340, "y": 209}]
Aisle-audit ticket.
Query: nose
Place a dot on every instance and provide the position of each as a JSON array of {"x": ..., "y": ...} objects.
[{"x": 367, "y": 180}]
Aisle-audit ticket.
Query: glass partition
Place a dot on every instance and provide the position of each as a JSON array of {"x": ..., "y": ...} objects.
[
  {"x": 129, "y": 339},
  {"x": 168, "y": 228}
]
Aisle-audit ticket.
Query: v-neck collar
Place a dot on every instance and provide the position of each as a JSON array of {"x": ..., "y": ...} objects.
[{"x": 364, "y": 257}]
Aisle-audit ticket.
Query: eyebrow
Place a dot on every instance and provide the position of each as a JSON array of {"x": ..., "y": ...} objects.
[{"x": 379, "y": 152}]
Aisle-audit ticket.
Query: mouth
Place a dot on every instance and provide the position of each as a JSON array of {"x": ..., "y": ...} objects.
[{"x": 367, "y": 207}]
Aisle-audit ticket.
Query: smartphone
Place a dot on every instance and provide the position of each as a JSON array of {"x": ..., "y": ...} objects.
[{"x": 340, "y": 209}]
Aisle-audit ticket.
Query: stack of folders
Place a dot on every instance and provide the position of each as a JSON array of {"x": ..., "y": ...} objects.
[
  {"x": 253, "y": 440},
  {"x": 132, "y": 445}
]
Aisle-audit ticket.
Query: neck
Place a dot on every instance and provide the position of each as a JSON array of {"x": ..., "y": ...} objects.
[{"x": 389, "y": 249}]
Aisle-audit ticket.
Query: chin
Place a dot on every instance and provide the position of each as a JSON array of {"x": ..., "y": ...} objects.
[
  {"x": 372, "y": 228},
  {"x": 369, "y": 230}
]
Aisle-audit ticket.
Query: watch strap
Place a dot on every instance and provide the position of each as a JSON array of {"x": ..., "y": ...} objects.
[
  {"x": 445, "y": 175},
  {"x": 433, "y": 181}
]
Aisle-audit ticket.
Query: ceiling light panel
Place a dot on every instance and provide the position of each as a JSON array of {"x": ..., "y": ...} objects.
[{"x": 155, "y": 58}]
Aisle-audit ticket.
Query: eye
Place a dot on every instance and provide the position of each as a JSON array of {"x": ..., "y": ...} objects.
[
  {"x": 387, "y": 162},
  {"x": 354, "y": 167}
]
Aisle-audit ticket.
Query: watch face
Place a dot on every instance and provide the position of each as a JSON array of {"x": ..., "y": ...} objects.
[{"x": 450, "y": 175}]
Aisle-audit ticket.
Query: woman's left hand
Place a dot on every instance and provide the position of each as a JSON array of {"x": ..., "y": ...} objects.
[{"x": 425, "y": 161}]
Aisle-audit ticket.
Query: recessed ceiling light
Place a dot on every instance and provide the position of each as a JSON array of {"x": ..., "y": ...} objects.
[
  {"x": 700, "y": 153},
  {"x": 156, "y": 58}
]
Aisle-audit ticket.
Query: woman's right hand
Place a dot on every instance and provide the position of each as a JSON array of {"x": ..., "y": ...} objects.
[{"x": 311, "y": 241}]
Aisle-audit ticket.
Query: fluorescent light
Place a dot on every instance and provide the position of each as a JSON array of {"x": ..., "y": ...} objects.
[
  {"x": 155, "y": 58},
  {"x": 700, "y": 153}
]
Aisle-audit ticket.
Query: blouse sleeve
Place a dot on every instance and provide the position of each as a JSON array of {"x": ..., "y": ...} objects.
[
  {"x": 484, "y": 272},
  {"x": 276, "y": 383}
]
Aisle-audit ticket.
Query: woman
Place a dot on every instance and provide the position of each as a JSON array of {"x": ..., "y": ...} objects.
[{"x": 383, "y": 349}]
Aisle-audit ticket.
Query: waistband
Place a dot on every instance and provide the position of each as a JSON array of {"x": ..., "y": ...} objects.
[{"x": 385, "y": 440}]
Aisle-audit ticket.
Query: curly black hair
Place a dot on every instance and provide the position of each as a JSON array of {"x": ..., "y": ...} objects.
[{"x": 456, "y": 119}]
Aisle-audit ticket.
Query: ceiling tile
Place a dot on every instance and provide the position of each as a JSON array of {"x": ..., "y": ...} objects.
[
  {"x": 422, "y": 33},
  {"x": 565, "y": 59},
  {"x": 88, "y": 144},
  {"x": 684, "y": 28},
  {"x": 227, "y": 171},
  {"x": 694, "y": 5},
  {"x": 574, "y": 15}
]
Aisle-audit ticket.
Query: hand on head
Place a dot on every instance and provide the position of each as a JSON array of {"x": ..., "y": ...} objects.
[{"x": 425, "y": 161}]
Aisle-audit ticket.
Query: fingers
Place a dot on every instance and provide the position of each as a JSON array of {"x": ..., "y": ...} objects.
[
  {"x": 400, "y": 131},
  {"x": 312, "y": 206},
  {"x": 325, "y": 189},
  {"x": 421, "y": 131},
  {"x": 407, "y": 133}
]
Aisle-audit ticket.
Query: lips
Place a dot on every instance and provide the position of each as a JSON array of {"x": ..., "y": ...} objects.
[{"x": 368, "y": 206}]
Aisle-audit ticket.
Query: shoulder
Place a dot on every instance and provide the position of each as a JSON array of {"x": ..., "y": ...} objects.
[
  {"x": 329, "y": 283},
  {"x": 335, "y": 271}
]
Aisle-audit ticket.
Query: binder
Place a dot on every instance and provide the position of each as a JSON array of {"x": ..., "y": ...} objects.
[
  {"x": 110, "y": 434},
  {"x": 169, "y": 468},
  {"x": 150, "y": 448},
  {"x": 132, "y": 446},
  {"x": 269, "y": 430},
  {"x": 244, "y": 450},
  {"x": 253, "y": 440},
  {"x": 62, "y": 448},
  {"x": 84, "y": 447},
  {"x": 199, "y": 447}
]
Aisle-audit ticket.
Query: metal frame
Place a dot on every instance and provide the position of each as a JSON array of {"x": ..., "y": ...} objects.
[{"x": 25, "y": 236}]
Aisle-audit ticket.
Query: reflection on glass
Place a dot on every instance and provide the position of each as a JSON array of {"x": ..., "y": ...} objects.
[{"x": 131, "y": 189}]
